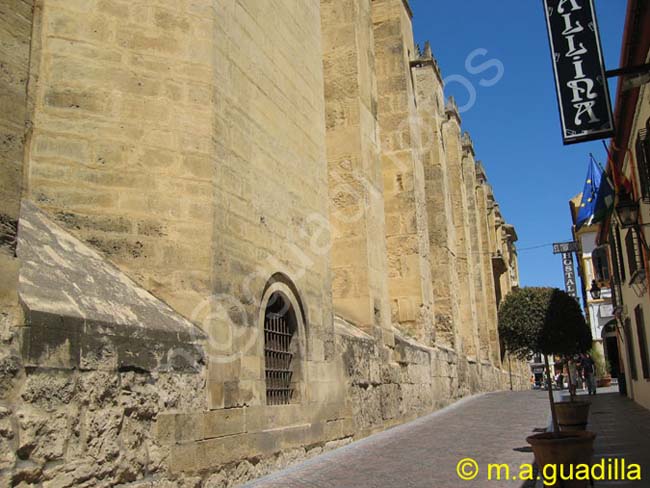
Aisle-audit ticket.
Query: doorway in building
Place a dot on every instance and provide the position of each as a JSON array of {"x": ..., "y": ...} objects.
[{"x": 611, "y": 354}]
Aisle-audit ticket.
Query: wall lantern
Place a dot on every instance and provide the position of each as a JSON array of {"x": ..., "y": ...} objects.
[
  {"x": 627, "y": 211},
  {"x": 595, "y": 290}
]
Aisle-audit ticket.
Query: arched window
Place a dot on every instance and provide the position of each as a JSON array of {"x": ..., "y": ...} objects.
[{"x": 284, "y": 344}]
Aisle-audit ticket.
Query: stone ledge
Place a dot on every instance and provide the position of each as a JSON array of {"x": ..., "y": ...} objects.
[{"x": 82, "y": 312}]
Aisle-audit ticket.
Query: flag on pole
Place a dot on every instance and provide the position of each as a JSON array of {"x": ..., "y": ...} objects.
[{"x": 597, "y": 196}]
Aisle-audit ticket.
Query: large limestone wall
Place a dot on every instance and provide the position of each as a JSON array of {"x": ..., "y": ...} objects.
[
  {"x": 196, "y": 152},
  {"x": 15, "y": 37},
  {"x": 121, "y": 151},
  {"x": 466, "y": 292},
  {"x": 442, "y": 233},
  {"x": 271, "y": 204},
  {"x": 359, "y": 266},
  {"x": 476, "y": 251},
  {"x": 409, "y": 272},
  {"x": 482, "y": 191}
]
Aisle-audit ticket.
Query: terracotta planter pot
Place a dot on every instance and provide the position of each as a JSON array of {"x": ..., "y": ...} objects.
[
  {"x": 603, "y": 382},
  {"x": 563, "y": 450},
  {"x": 572, "y": 415}
]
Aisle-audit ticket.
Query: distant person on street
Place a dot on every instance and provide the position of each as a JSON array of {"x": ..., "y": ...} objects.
[
  {"x": 589, "y": 372},
  {"x": 575, "y": 377}
]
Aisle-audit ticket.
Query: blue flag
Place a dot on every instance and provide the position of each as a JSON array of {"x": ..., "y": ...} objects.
[{"x": 597, "y": 196}]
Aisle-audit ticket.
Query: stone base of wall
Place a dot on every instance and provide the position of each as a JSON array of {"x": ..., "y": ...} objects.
[
  {"x": 90, "y": 401},
  {"x": 415, "y": 381},
  {"x": 101, "y": 428}
]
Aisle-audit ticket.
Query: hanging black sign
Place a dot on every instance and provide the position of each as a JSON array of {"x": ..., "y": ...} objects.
[
  {"x": 562, "y": 247},
  {"x": 569, "y": 275},
  {"x": 580, "y": 81}
]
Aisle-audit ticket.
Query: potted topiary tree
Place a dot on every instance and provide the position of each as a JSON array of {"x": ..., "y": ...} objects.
[
  {"x": 550, "y": 322},
  {"x": 572, "y": 415}
]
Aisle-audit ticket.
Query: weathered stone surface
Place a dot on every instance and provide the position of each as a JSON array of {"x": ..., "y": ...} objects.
[
  {"x": 41, "y": 437},
  {"x": 9, "y": 369},
  {"x": 170, "y": 181},
  {"x": 56, "y": 266},
  {"x": 113, "y": 324}
]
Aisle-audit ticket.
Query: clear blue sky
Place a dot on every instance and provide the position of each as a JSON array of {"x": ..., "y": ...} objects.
[{"x": 514, "y": 123}]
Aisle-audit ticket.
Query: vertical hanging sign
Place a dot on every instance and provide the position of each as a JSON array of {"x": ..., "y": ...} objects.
[
  {"x": 580, "y": 81},
  {"x": 569, "y": 275},
  {"x": 567, "y": 249}
]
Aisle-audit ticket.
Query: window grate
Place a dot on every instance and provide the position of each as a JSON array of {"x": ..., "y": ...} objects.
[
  {"x": 616, "y": 272},
  {"x": 633, "y": 253},
  {"x": 619, "y": 255},
  {"x": 643, "y": 163},
  {"x": 278, "y": 359}
]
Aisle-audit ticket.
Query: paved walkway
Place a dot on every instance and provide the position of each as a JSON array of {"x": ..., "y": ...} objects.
[
  {"x": 489, "y": 428},
  {"x": 622, "y": 428}
]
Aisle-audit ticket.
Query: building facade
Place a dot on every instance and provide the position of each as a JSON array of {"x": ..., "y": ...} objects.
[
  {"x": 595, "y": 278},
  {"x": 234, "y": 234},
  {"x": 626, "y": 239}
]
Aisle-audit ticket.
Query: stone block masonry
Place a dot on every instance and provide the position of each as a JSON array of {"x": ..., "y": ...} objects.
[{"x": 180, "y": 177}]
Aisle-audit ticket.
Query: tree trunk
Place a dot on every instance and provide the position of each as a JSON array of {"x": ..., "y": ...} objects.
[
  {"x": 568, "y": 370},
  {"x": 556, "y": 427}
]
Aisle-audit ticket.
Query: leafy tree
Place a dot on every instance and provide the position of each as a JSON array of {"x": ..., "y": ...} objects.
[{"x": 543, "y": 320}]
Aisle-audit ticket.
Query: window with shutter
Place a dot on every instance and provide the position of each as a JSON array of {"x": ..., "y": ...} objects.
[
  {"x": 619, "y": 254},
  {"x": 601, "y": 263},
  {"x": 643, "y": 163},
  {"x": 633, "y": 252}
]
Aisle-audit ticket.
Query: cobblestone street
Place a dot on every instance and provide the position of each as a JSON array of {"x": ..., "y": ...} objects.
[{"x": 489, "y": 428}]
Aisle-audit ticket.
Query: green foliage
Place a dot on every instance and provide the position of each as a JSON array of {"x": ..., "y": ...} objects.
[
  {"x": 543, "y": 320},
  {"x": 602, "y": 368}
]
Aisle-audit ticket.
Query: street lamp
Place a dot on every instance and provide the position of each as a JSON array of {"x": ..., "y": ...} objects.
[
  {"x": 627, "y": 211},
  {"x": 594, "y": 291}
]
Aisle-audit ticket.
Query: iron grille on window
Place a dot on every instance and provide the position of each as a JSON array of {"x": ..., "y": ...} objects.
[
  {"x": 643, "y": 163},
  {"x": 616, "y": 272},
  {"x": 278, "y": 358},
  {"x": 633, "y": 252},
  {"x": 619, "y": 254},
  {"x": 643, "y": 345}
]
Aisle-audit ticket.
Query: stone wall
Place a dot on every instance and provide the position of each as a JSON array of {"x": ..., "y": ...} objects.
[
  {"x": 110, "y": 388},
  {"x": 174, "y": 166},
  {"x": 15, "y": 37},
  {"x": 122, "y": 125},
  {"x": 359, "y": 264},
  {"x": 271, "y": 189},
  {"x": 407, "y": 239}
]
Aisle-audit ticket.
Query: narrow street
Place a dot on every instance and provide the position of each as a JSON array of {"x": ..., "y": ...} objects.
[{"x": 489, "y": 428}]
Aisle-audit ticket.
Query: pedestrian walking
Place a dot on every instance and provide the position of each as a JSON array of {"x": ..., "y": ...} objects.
[
  {"x": 575, "y": 377},
  {"x": 589, "y": 372}
]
